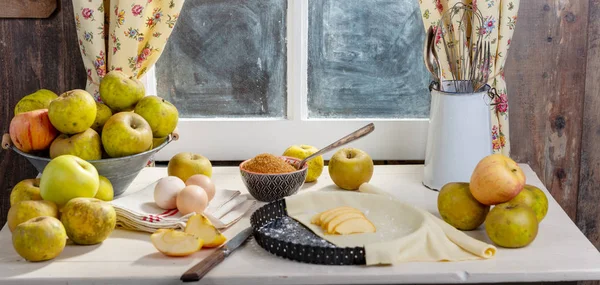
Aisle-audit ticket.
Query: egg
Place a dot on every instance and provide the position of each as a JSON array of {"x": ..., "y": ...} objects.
[
  {"x": 203, "y": 181},
  {"x": 166, "y": 190},
  {"x": 192, "y": 198}
]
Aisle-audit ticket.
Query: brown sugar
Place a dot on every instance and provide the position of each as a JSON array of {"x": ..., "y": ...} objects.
[{"x": 268, "y": 163}]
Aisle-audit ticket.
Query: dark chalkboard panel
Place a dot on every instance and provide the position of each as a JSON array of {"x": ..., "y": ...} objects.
[
  {"x": 365, "y": 59},
  {"x": 227, "y": 58}
]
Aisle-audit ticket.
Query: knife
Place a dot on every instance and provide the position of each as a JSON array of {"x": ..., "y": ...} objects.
[{"x": 199, "y": 270}]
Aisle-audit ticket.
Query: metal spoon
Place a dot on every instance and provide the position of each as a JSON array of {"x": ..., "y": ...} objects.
[{"x": 351, "y": 137}]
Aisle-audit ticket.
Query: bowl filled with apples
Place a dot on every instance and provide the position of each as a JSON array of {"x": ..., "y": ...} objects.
[{"x": 118, "y": 134}]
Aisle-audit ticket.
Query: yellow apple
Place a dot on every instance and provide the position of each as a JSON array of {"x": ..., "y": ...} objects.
[
  {"x": 125, "y": 134},
  {"x": 120, "y": 91},
  {"x": 103, "y": 113},
  {"x": 25, "y": 210},
  {"x": 159, "y": 113},
  {"x": 315, "y": 165},
  {"x": 350, "y": 167},
  {"x": 105, "y": 189},
  {"x": 496, "y": 179},
  {"x": 158, "y": 141},
  {"x": 199, "y": 226},
  {"x": 72, "y": 112},
  {"x": 39, "y": 239},
  {"x": 511, "y": 226},
  {"x": 186, "y": 164},
  {"x": 35, "y": 101},
  {"x": 67, "y": 177},
  {"x": 85, "y": 145},
  {"x": 175, "y": 243},
  {"x": 28, "y": 189},
  {"x": 88, "y": 220},
  {"x": 534, "y": 198},
  {"x": 459, "y": 208}
]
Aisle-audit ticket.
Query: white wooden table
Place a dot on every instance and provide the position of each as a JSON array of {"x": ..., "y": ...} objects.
[{"x": 559, "y": 253}]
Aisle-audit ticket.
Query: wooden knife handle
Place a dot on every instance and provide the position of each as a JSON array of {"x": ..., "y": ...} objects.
[{"x": 199, "y": 270}]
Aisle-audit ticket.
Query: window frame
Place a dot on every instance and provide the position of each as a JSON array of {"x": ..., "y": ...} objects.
[{"x": 235, "y": 139}]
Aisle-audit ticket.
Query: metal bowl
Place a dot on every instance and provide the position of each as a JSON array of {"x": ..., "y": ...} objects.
[
  {"x": 271, "y": 187},
  {"x": 120, "y": 171}
]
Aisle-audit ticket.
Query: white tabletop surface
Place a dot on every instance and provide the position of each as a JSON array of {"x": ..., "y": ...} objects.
[{"x": 559, "y": 253}]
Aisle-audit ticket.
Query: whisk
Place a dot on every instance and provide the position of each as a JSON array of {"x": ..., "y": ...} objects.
[{"x": 468, "y": 57}]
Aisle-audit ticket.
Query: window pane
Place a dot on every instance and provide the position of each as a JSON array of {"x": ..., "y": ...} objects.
[
  {"x": 227, "y": 58},
  {"x": 365, "y": 59}
]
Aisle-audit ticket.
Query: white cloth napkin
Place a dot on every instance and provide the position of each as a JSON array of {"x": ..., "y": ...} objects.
[{"x": 137, "y": 211}]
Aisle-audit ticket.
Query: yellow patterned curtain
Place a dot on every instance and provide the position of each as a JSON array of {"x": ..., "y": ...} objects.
[
  {"x": 499, "y": 20},
  {"x": 126, "y": 35}
]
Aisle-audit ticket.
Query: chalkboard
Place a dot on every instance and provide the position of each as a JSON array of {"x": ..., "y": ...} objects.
[
  {"x": 365, "y": 59},
  {"x": 226, "y": 58}
]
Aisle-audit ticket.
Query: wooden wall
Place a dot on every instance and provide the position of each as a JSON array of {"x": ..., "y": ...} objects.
[{"x": 553, "y": 75}]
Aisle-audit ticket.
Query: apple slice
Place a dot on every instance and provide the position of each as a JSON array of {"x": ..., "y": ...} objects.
[
  {"x": 327, "y": 216},
  {"x": 202, "y": 228},
  {"x": 354, "y": 225},
  {"x": 175, "y": 243},
  {"x": 316, "y": 219},
  {"x": 331, "y": 217},
  {"x": 341, "y": 218}
]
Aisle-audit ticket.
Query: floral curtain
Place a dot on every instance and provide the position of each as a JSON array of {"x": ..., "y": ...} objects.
[
  {"x": 126, "y": 35},
  {"x": 499, "y": 18}
]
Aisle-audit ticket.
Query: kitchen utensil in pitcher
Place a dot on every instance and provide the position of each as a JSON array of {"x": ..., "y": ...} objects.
[{"x": 459, "y": 134}]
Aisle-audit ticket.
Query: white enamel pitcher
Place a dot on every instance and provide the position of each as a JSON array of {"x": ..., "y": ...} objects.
[{"x": 459, "y": 135}]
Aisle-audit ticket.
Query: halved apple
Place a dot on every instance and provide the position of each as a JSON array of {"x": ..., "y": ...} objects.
[
  {"x": 355, "y": 225},
  {"x": 202, "y": 228},
  {"x": 341, "y": 218},
  {"x": 175, "y": 243}
]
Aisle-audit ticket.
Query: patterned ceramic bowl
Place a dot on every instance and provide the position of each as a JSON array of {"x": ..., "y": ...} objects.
[{"x": 271, "y": 187}]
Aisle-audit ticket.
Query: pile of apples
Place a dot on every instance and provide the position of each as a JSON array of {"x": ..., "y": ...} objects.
[
  {"x": 69, "y": 200},
  {"x": 497, "y": 181},
  {"x": 127, "y": 122}
]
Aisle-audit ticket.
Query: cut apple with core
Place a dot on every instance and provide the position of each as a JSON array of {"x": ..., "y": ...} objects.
[
  {"x": 175, "y": 243},
  {"x": 202, "y": 228}
]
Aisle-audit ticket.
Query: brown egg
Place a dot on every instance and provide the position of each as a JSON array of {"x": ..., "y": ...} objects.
[
  {"x": 192, "y": 199},
  {"x": 203, "y": 181}
]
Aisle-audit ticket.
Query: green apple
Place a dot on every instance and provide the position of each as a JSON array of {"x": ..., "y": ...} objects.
[
  {"x": 85, "y": 145},
  {"x": 186, "y": 164},
  {"x": 88, "y": 220},
  {"x": 72, "y": 112},
  {"x": 126, "y": 133},
  {"x": 350, "y": 167},
  {"x": 25, "y": 210},
  {"x": 103, "y": 112},
  {"x": 28, "y": 189},
  {"x": 105, "y": 190},
  {"x": 35, "y": 101},
  {"x": 159, "y": 113},
  {"x": 534, "y": 198},
  {"x": 459, "y": 208},
  {"x": 158, "y": 141},
  {"x": 39, "y": 239},
  {"x": 67, "y": 177},
  {"x": 121, "y": 92},
  {"x": 315, "y": 165},
  {"x": 511, "y": 225}
]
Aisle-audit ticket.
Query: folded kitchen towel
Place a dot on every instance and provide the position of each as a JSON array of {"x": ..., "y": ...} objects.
[{"x": 137, "y": 211}]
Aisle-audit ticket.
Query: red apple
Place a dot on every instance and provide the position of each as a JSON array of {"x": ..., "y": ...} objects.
[
  {"x": 32, "y": 131},
  {"x": 496, "y": 179}
]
